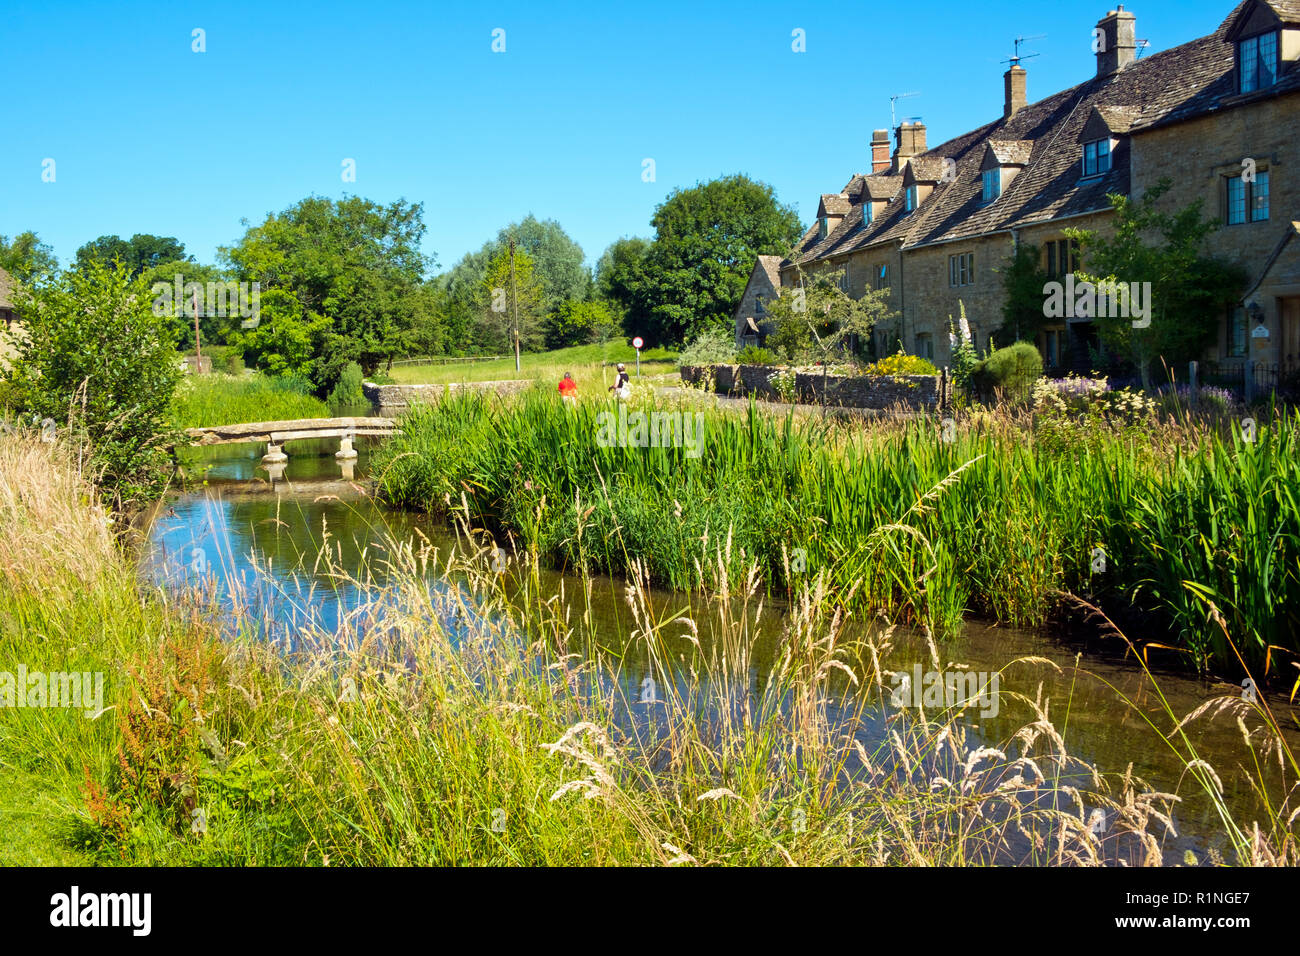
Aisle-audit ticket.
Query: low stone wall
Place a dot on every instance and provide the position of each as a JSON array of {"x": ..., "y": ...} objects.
[
  {"x": 399, "y": 397},
  {"x": 859, "y": 391}
]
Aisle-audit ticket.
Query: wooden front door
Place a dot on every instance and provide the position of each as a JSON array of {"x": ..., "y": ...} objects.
[{"x": 1289, "y": 347}]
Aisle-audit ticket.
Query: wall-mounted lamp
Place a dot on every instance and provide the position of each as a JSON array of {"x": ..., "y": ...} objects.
[{"x": 1256, "y": 312}]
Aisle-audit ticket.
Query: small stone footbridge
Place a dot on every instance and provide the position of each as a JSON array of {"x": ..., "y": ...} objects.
[{"x": 275, "y": 434}]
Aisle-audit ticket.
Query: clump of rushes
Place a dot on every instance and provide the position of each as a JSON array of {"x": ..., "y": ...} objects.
[
  {"x": 1149, "y": 518},
  {"x": 447, "y": 724}
]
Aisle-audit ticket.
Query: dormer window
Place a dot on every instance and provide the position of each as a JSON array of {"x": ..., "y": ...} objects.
[
  {"x": 866, "y": 214},
  {"x": 909, "y": 198},
  {"x": 1096, "y": 158},
  {"x": 823, "y": 227},
  {"x": 1257, "y": 62},
  {"x": 992, "y": 180}
]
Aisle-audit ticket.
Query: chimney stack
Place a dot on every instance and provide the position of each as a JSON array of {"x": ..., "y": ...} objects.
[
  {"x": 1017, "y": 89},
  {"x": 911, "y": 142},
  {"x": 1115, "y": 41},
  {"x": 880, "y": 151}
]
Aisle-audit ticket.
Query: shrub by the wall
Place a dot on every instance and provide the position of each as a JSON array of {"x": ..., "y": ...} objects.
[{"x": 1012, "y": 370}]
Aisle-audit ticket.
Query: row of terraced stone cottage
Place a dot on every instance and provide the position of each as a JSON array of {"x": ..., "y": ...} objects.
[{"x": 934, "y": 236}]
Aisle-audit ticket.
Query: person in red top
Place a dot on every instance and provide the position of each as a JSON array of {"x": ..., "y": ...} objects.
[{"x": 569, "y": 389}]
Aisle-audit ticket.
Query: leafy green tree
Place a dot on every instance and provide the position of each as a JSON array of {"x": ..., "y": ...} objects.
[
  {"x": 504, "y": 302},
  {"x": 580, "y": 323},
  {"x": 214, "y": 329},
  {"x": 353, "y": 263},
  {"x": 621, "y": 280},
  {"x": 429, "y": 332},
  {"x": 142, "y": 252},
  {"x": 1022, "y": 305},
  {"x": 97, "y": 360},
  {"x": 706, "y": 241},
  {"x": 26, "y": 258},
  {"x": 1189, "y": 290},
  {"x": 557, "y": 260},
  {"x": 817, "y": 317},
  {"x": 288, "y": 340}
]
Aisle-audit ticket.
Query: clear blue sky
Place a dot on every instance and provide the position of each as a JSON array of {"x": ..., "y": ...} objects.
[{"x": 148, "y": 136}]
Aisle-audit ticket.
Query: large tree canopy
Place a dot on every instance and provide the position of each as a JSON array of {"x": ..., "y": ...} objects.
[
  {"x": 26, "y": 258},
  {"x": 706, "y": 241},
  {"x": 141, "y": 252},
  {"x": 558, "y": 265},
  {"x": 620, "y": 279},
  {"x": 353, "y": 268}
]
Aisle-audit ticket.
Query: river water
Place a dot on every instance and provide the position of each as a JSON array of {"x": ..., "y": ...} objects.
[{"x": 260, "y": 537}]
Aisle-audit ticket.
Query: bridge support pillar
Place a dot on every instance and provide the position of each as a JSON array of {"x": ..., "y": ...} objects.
[
  {"x": 346, "y": 451},
  {"x": 274, "y": 455}
]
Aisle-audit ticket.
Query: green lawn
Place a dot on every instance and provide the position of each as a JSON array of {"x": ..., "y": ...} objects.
[{"x": 590, "y": 365}]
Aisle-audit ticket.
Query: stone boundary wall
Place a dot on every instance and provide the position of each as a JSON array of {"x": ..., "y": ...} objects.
[
  {"x": 860, "y": 391},
  {"x": 398, "y": 397}
]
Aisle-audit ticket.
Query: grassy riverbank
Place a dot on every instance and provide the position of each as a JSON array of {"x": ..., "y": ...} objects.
[
  {"x": 1162, "y": 521},
  {"x": 478, "y": 734},
  {"x": 221, "y": 399}
]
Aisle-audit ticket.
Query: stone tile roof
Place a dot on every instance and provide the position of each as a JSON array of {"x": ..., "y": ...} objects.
[
  {"x": 1181, "y": 83},
  {"x": 1288, "y": 10},
  {"x": 771, "y": 267},
  {"x": 927, "y": 168},
  {"x": 882, "y": 186},
  {"x": 1119, "y": 119},
  {"x": 834, "y": 204},
  {"x": 1011, "y": 152}
]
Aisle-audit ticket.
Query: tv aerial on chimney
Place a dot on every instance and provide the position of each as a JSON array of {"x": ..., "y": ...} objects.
[
  {"x": 1015, "y": 59},
  {"x": 893, "y": 120},
  {"x": 1142, "y": 45}
]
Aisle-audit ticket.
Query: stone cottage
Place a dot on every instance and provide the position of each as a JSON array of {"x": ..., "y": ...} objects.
[{"x": 932, "y": 224}]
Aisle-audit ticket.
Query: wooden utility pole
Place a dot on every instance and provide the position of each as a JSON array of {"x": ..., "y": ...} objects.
[
  {"x": 514, "y": 298},
  {"x": 198, "y": 347}
]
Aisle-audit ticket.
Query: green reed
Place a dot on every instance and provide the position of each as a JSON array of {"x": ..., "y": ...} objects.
[{"x": 1156, "y": 521}]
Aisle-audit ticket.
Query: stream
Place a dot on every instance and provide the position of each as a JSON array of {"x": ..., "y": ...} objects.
[{"x": 234, "y": 527}]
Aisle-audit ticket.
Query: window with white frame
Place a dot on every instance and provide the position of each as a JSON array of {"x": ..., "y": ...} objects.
[
  {"x": 992, "y": 179},
  {"x": 961, "y": 269},
  {"x": 1257, "y": 62},
  {"x": 1247, "y": 201},
  {"x": 1096, "y": 157}
]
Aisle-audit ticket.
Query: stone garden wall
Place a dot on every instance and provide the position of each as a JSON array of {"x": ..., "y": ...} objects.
[
  {"x": 859, "y": 391},
  {"x": 401, "y": 397}
]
